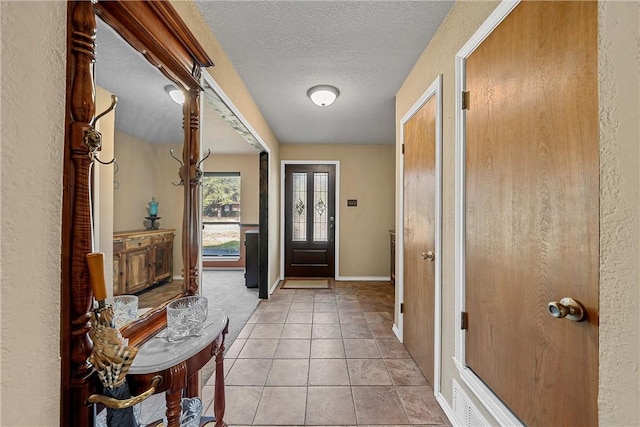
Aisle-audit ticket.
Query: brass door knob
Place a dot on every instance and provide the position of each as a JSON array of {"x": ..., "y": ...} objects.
[
  {"x": 428, "y": 255},
  {"x": 567, "y": 307}
]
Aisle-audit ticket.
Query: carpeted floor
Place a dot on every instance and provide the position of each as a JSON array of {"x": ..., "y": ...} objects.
[{"x": 225, "y": 289}]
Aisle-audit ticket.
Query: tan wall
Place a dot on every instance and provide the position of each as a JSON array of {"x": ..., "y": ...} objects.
[
  {"x": 32, "y": 100},
  {"x": 619, "y": 62},
  {"x": 170, "y": 197},
  {"x": 136, "y": 165},
  {"x": 144, "y": 170},
  {"x": 619, "y": 379},
  {"x": 227, "y": 77},
  {"x": 31, "y": 151},
  {"x": 103, "y": 177},
  {"x": 249, "y": 167},
  {"x": 366, "y": 174},
  {"x": 147, "y": 170}
]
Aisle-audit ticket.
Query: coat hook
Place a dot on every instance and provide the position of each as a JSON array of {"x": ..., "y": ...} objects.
[
  {"x": 93, "y": 138},
  {"x": 199, "y": 173},
  {"x": 204, "y": 158},
  {"x": 116, "y": 168},
  {"x": 177, "y": 159},
  {"x": 94, "y": 157},
  {"x": 114, "y": 102},
  {"x": 181, "y": 183}
]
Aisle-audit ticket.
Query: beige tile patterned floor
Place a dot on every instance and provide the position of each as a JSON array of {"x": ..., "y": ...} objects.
[{"x": 324, "y": 357}]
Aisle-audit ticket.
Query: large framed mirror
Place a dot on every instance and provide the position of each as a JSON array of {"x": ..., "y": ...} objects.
[
  {"x": 137, "y": 200},
  {"x": 154, "y": 31}
]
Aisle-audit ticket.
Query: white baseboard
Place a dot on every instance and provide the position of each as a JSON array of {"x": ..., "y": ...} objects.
[
  {"x": 273, "y": 287},
  {"x": 176, "y": 277},
  {"x": 224, "y": 268},
  {"x": 221, "y": 259},
  {"x": 448, "y": 411},
  {"x": 364, "y": 278},
  {"x": 397, "y": 332}
]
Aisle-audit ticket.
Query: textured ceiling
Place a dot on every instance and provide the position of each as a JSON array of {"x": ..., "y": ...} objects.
[
  {"x": 144, "y": 109},
  {"x": 364, "y": 48},
  {"x": 281, "y": 49}
]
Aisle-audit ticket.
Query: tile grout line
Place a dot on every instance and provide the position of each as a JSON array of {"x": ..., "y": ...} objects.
[{"x": 342, "y": 339}]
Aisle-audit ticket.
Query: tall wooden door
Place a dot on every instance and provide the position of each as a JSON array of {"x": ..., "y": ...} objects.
[
  {"x": 419, "y": 236},
  {"x": 309, "y": 220},
  {"x": 532, "y": 212}
]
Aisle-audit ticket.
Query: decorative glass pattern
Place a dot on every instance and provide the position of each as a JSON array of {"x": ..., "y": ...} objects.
[
  {"x": 300, "y": 207},
  {"x": 320, "y": 194},
  {"x": 299, "y": 221}
]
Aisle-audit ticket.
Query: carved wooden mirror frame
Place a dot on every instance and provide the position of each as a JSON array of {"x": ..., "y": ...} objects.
[{"x": 156, "y": 30}]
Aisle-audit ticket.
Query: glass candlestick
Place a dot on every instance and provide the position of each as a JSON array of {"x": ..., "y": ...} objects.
[{"x": 153, "y": 207}]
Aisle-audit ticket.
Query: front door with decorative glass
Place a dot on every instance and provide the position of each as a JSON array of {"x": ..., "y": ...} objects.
[{"x": 309, "y": 220}]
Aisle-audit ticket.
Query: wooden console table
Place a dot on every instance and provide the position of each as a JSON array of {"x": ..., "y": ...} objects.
[{"x": 178, "y": 363}]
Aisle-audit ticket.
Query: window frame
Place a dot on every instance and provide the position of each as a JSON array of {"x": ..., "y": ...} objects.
[{"x": 237, "y": 222}]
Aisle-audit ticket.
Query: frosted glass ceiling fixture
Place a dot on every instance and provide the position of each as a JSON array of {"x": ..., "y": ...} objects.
[
  {"x": 323, "y": 95},
  {"x": 176, "y": 94}
]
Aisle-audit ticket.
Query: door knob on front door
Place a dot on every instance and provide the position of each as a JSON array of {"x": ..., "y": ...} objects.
[
  {"x": 428, "y": 255},
  {"x": 567, "y": 307}
]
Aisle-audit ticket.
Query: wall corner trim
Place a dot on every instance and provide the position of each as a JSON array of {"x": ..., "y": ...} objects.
[
  {"x": 275, "y": 284},
  {"x": 397, "y": 332}
]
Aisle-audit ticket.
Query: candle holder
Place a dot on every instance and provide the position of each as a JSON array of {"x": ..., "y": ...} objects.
[
  {"x": 151, "y": 222},
  {"x": 153, "y": 207}
]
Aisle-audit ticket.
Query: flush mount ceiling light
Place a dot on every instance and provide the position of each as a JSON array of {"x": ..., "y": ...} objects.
[
  {"x": 176, "y": 94},
  {"x": 323, "y": 95}
]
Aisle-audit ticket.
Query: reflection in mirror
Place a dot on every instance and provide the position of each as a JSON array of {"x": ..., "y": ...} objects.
[
  {"x": 137, "y": 210},
  {"x": 230, "y": 186}
]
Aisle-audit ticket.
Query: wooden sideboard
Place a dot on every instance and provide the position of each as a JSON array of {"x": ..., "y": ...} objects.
[{"x": 141, "y": 259}]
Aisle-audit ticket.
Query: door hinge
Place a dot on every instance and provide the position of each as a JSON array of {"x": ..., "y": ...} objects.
[
  {"x": 401, "y": 307},
  {"x": 465, "y": 100},
  {"x": 464, "y": 320},
  {"x": 402, "y": 148}
]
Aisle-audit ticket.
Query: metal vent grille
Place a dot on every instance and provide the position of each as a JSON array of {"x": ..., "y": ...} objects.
[{"x": 466, "y": 412}]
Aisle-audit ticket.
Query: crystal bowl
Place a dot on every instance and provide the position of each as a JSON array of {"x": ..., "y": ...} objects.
[
  {"x": 186, "y": 317},
  {"x": 125, "y": 309}
]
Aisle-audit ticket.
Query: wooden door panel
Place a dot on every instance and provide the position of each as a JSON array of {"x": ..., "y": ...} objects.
[
  {"x": 309, "y": 257},
  {"x": 119, "y": 274},
  {"x": 138, "y": 270},
  {"x": 532, "y": 211},
  {"x": 163, "y": 262},
  {"x": 419, "y": 236}
]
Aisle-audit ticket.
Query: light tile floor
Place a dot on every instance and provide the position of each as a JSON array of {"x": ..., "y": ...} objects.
[{"x": 324, "y": 357}]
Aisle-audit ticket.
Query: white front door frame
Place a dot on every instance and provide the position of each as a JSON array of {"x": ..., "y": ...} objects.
[{"x": 336, "y": 163}]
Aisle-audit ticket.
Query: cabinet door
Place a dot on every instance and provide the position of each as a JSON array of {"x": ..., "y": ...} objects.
[
  {"x": 162, "y": 269},
  {"x": 119, "y": 274},
  {"x": 137, "y": 270}
]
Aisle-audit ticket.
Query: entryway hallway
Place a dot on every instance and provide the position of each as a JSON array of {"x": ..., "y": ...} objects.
[{"x": 324, "y": 357}]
